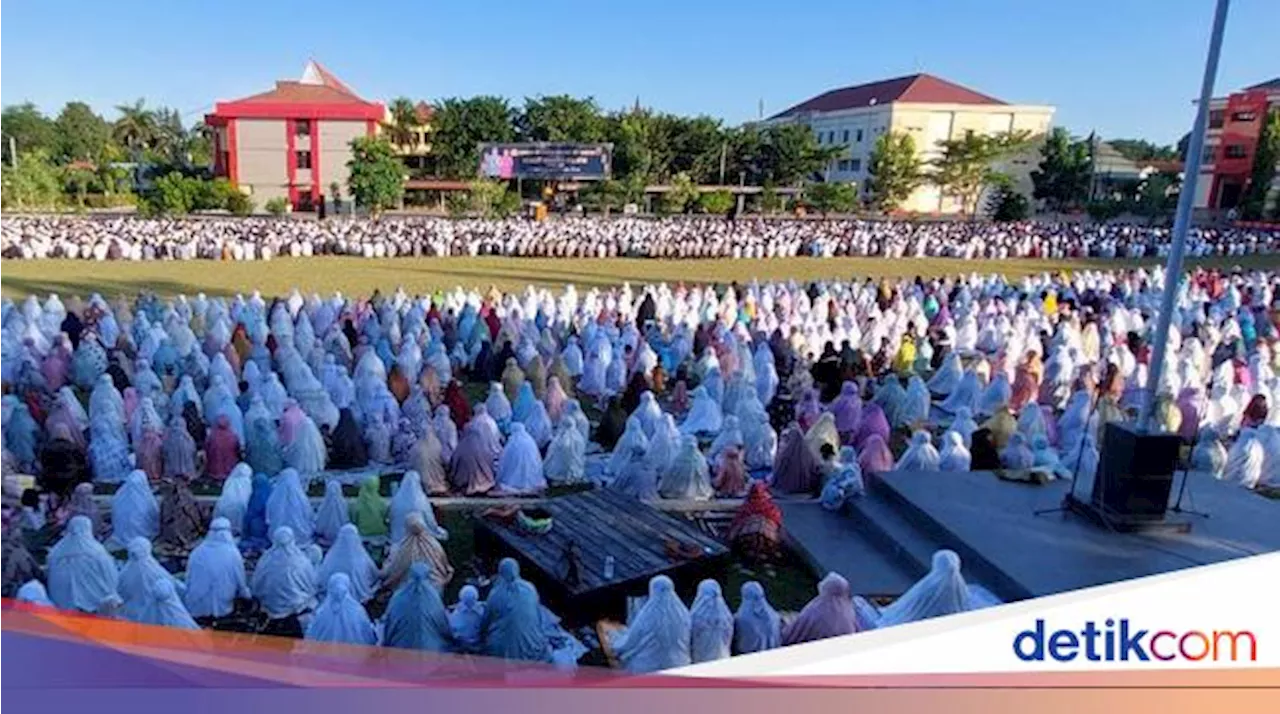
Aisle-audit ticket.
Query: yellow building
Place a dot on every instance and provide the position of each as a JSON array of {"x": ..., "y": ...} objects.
[
  {"x": 413, "y": 144},
  {"x": 928, "y": 109}
]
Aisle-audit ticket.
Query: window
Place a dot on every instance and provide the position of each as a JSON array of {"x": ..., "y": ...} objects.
[
  {"x": 1207, "y": 157},
  {"x": 855, "y": 165},
  {"x": 858, "y": 136},
  {"x": 1215, "y": 118},
  {"x": 1243, "y": 116},
  {"x": 302, "y": 127},
  {"x": 302, "y": 159},
  {"x": 819, "y": 137},
  {"x": 1235, "y": 151},
  {"x": 846, "y": 136},
  {"x": 831, "y": 137},
  {"x": 842, "y": 165}
]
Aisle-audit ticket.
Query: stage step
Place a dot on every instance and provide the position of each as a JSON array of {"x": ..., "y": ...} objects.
[
  {"x": 893, "y": 532},
  {"x": 832, "y": 542}
]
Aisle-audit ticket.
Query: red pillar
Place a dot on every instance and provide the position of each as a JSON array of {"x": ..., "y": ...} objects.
[
  {"x": 291, "y": 161},
  {"x": 233, "y": 153},
  {"x": 316, "y": 196}
]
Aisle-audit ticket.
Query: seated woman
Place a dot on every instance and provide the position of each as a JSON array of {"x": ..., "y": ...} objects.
[
  {"x": 418, "y": 546},
  {"x": 659, "y": 635},
  {"x": 942, "y": 591},
  {"x": 688, "y": 477},
  {"x": 705, "y": 417},
  {"x": 341, "y": 618},
  {"x": 162, "y": 607},
  {"x": 332, "y": 514},
  {"x": 513, "y": 625},
  {"x": 795, "y": 467},
  {"x": 369, "y": 512},
  {"x": 82, "y": 575},
  {"x": 756, "y": 625},
  {"x": 139, "y": 571},
  {"x": 349, "y": 557},
  {"x": 756, "y": 530},
  {"x": 284, "y": 580},
  {"x": 411, "y": 498},
  {"x": 639, "y": 476},
  {"x": 289, "y": 507},
  {"x": 181, "y": 518},
  {"x": 830, "y": 614},
  {"x": 710, "y": 624},
  {"x": 520, "y": 468},
  {"x": 416, "y": 618},
  {"x": 427, "y": 458},
  {"x": 566, "y": 457},
  {"x": 215, "y": 573},
  {"x": 466, "y": 621}
]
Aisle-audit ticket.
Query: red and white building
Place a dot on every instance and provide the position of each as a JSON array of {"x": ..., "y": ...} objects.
[
  {"x": 1231, "y": 141},
  {"x": 292, "y": 141}
]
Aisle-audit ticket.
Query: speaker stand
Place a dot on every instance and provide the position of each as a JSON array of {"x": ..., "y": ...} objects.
[{"x": 1123, "y": 523}]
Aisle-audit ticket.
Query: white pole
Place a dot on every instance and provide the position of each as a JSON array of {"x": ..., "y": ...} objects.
[{"x": 1182, "y": 219}]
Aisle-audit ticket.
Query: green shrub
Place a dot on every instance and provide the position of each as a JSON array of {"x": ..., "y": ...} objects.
[
  {"x": 277, "y": 206},
  {"x": 716, "y": 202},
  {"x": 239, "y": 204}
]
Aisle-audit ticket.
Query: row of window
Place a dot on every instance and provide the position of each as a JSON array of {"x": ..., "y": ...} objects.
[
  {"x": 1218, "y": 116},
  {"x": 1230, "y": 151},
  {"x": 830, "y": 137},
  {"x": 853, "y": 165}
]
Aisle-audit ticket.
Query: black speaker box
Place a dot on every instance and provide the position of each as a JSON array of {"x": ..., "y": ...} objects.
[{"x": 1135, "y": 473}]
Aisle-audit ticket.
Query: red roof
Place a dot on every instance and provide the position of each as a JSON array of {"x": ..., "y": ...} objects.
[
  {"x": 920, "y": 88},
  {"x": 318, "y": 93}
]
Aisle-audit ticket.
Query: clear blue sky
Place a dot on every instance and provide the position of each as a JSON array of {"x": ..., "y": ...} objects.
[{"x": 1128, "y": 68}]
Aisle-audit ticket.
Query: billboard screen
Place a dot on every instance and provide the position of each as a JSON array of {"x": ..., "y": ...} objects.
[{"x": 544, "y": 161}]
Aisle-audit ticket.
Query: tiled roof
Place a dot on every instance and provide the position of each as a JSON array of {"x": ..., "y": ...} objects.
[
  {"x": 1270, "y": 86},
  {"x": 316, "y": 86},
  {"x": 921, "y": 88}
]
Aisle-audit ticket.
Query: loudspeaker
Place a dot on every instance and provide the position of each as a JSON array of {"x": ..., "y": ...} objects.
[{"x": 1135, "y": 473}]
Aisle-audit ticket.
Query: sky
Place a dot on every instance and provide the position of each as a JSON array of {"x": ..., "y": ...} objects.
[{"x": 1125, "y": 68}]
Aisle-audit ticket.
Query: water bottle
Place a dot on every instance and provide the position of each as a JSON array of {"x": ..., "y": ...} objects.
[{"x": 608, "y": 567}]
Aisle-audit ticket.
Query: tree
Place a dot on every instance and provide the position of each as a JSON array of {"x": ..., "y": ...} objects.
[
  {"x": 81, "y": 134},
  {"x": 1062, "y": 180},
  {"x": 1253, "y": 205},
  {"x": 461, "y": 125},
  {"x": 696, "y": 145},
  {"x": 895, "y": 171},
  {"x": 199, "y": 144},
  {"x": 79, "y": 177},
  {"x": 239, "y": 204},
  {"x": 1104, "y": 210},
  {"x": 603, "y": 196},
  {"x": 791, "y": 154},
  {"x": 770, "y": 200},
  {"x": 29, "y": 129},
  {"x": 716, "y": 202},
  {"x": 1140, "y": 150},
  {"x": 965, "y": 167},
  {"x": 32, "y": 183},
  {"x": 136, "y": 128},
  {"x": 1004, "y": 203},
  {"x": 375, "y": 176},
  {"x": 172, "y": 194},
  {"x": 492, "y": 199},
  {"x": 561, "y": 118},
  {"x": 680, "y": 194},
  {"x": 399, "y": 129},
  {"x": 831, "y": 197},
  {"x": 1157, "y": 196}
]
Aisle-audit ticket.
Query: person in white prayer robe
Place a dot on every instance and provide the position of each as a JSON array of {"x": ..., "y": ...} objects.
[
  {"x": 710, "y": 624},
  {"x": 135, "y": 513},
  {"x": 756, "y": 625},
  {"x": 520, "y": 470},
  {"x": 340, "y": 618},
  {"x": 284, "y": 579},
  {"x": 82, "y": 575},
  {"x": 289, "y": 507},
  {"x": 349, "y": 557},
  {"x": 215, "y": 573},
  {"x": 659, "y": 635}
]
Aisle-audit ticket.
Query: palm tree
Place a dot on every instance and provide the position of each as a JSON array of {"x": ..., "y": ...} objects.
[
  {"x": 400, "y": 126},
  {"x": 135, "y": 130}
]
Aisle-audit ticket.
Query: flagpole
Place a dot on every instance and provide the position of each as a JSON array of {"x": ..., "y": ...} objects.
[{"x": 1182, "y": 219}]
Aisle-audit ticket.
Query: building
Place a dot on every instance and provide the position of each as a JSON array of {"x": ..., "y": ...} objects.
[
  {"x": 927, "y": 108},
  {"x": 1230, "y": 142},
  {"x": 1115, "y": 176},
  {"x": 414, "y": 143},
  {"x": 292, "y": 141}
]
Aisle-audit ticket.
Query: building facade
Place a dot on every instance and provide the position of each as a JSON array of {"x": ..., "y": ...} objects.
[
  {"x": 928, "y": 109},
  {"x": 293, "y": 141},
  {"x": 1230, "y": 143}
]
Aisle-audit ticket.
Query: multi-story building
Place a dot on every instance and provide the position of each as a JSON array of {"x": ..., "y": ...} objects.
[
  {"x": 292, "y": 141},
  {"x": 927, "y": 108},
  {"x": 1231, "y": 141}
]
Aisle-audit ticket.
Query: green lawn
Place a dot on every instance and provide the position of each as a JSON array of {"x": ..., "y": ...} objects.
[{"x": 360, "y": 276}]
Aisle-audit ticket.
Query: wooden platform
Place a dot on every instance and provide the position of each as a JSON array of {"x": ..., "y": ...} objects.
[{"x": 603, "y": 523}]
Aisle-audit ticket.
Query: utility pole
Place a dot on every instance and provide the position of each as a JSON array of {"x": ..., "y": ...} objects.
[
  {"x": 724, "y": 155},
  {"x": 1182, "y": 219},
  {"x": 13, "y": 152}
]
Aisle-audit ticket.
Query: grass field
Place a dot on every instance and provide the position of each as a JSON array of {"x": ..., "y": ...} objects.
[{"x": 360, "y": 276}]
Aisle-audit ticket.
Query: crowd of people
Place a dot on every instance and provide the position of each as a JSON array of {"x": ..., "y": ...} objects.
[
  {"x": 264, "y": 239},
  {"x": 663, "y": 392}
]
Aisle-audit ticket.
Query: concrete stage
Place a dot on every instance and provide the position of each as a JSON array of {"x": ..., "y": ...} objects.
[{"x": 883, "y": 541}]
